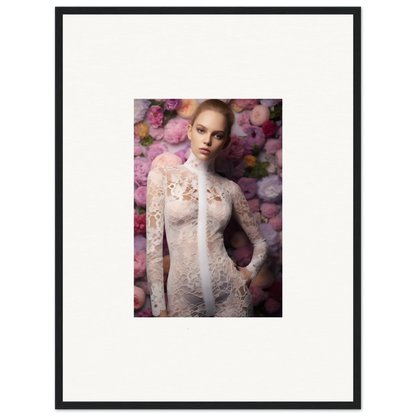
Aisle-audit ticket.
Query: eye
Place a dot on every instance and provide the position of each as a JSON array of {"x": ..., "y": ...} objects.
[
  {"x": 199, "y": 130},
  {"x": 219, "y": 136}
]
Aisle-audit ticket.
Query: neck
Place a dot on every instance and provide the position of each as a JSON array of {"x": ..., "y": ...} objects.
[{"x": 196, "y": 164}]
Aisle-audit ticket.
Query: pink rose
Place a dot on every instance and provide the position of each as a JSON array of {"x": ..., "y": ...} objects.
[
  {"x": 166, "y": 159},
  {"x": 140, "y": 195},
  {"x": 140, "y": 224},
  {"x": 246, "y": 126},
  {"x": 176, "y": 130},
  {"x": 243, "y": 118},
  {"x": 254, "y": 204},
  {"x": 259, "y": 115},
  {"x": 258, "y": 294},
  {"x": 155, "y": 149},
  {"x": 139, "y": 263},
  {"x": 155, "y": 116},
  {"x": 272, "y": 146},
  {"x": 269, "y": 210},
  {"x": 137, "y": 151},
  {"x": 276, "y": 223},
  {"x": 157, "y": 134}
]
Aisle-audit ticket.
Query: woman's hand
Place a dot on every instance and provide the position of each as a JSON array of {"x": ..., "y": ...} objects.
[{"x": 245, "y": 274}]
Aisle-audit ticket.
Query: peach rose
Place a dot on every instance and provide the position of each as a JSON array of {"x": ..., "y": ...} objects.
[
  {"x": 187, "y": 108},
  {"x": 139, "y": 297},
  {"x": 259, "y": 115},
  {"x": 166, "y": 159}
]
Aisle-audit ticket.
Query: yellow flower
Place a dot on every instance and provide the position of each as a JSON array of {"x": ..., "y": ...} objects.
[
  {"x": 250, "y": 160},
  {"x": 236, "y": 107},
  {"x": 141, "y": 129}
]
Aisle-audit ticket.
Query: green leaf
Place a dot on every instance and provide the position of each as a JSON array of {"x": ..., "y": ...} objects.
[
  {"x": 159, "y": 103},
  {"x": 142, "y": 211},
  {"x": 259, "y": 170},
  {"x": 256, "y": 150},
  {"x": 147, "y": 141}
]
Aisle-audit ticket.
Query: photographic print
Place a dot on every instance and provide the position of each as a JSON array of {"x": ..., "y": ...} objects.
[{"x": 212, "y": 174}]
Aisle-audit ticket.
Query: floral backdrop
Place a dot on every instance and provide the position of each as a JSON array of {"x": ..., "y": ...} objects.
[{"x": 253, "y": 160}]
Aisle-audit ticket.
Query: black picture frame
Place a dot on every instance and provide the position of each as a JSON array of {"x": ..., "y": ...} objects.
[{"x": 60, "y": 403}]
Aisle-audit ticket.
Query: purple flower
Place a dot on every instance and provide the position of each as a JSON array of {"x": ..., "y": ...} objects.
[
  {"x": 271, "y": 235},
  {"x": 248, "y": 186},
  {"x": 147, "y": 313},
  {"x": 140, "y": 109},
  {"x": 269, "y": 189},
  {"x": 139, "y": 242},
  {"x": 141, "y": 170},
  {"x": 255, "y": 135},
  {"x": 269, "y": 103},
  {"x": 239, "y": 169},
  {"x": 172, "y": 104}
]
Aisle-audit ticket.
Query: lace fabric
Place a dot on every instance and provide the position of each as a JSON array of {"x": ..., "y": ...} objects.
[{"x": 194, "y": 205}]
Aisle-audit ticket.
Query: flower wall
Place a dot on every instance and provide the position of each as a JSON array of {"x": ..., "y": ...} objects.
[{"x": 253, "y": 160}]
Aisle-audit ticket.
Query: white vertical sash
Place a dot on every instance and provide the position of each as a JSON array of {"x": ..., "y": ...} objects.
[{"x": 202, "y": 245}]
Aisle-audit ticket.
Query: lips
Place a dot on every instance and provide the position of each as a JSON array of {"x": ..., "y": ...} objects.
[{"x": 202, "y": 149}]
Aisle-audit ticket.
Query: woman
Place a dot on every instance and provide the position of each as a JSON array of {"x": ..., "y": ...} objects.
[{"x": 195, "y": 205}]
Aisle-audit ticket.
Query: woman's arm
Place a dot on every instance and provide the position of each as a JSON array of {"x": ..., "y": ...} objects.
[
  {"x": 155, "y": 204},
  {"x": 244, "y": 216}
]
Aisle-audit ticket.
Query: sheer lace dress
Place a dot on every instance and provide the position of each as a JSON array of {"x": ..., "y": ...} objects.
[{"x": 194, "y": 204}]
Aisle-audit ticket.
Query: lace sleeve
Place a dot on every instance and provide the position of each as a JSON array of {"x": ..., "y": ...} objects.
[
  {"x": 244, "y": 216},
  {"x": 155, "y": 201}
]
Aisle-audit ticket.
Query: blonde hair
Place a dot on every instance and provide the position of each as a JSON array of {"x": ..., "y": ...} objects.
[{"x": 220, "y": 107}]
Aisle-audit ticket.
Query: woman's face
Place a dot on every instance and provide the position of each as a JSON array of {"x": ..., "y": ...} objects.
[{"x": 208, "y": 132}]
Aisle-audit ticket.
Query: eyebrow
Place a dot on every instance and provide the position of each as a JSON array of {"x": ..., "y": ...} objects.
[{"x": 217, "y": 131}]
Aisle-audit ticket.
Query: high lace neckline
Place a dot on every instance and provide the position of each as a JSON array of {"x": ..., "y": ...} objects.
[{"x": 196, "y": 164}]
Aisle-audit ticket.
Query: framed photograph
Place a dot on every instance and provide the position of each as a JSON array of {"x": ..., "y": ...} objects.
[{"x": 176, "y": 207}]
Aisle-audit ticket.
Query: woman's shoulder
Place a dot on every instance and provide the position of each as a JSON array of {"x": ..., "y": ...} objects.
[{"x": 228, "y": 184}]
